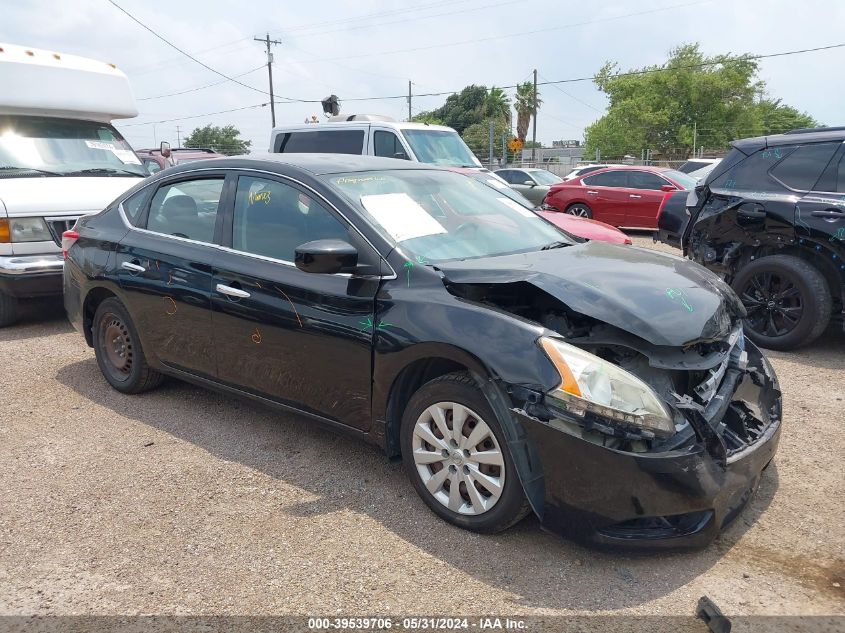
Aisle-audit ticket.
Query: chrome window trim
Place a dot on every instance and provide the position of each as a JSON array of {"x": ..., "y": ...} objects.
[{"x": 319, "y": 197}]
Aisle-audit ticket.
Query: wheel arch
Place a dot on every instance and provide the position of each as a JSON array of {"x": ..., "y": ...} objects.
[{"x": 93, "y": 299}]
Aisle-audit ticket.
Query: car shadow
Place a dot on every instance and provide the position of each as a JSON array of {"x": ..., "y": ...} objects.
[
  {"x": 541, "y": 570},
  {"x": 38, "y": 318},
  {"x": 826, "y": 352}
]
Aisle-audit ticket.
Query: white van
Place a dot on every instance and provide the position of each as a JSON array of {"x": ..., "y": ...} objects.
[
  {"x": 60, "y": 158},
  {"x": 375, "y": 135}
]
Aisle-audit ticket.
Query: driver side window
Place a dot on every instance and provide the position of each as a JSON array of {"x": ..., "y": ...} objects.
[{"x": 186, "y": 209}]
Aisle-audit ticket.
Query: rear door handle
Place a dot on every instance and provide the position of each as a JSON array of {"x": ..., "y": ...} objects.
[
  {"x": 829, "y": 213},
  {"x": 133, "y": 268},
  {"x": 633, "y": 195},
  {"x": 232, "y": 292},
  {"x": 592, "y": 192}
]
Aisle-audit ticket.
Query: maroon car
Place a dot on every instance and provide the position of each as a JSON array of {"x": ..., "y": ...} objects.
[
  {"x": 157, "y": 159},
  {"x": 619, "y": 196}
]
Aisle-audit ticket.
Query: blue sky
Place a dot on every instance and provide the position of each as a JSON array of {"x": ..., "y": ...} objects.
[{"x": 367, "y": 48}]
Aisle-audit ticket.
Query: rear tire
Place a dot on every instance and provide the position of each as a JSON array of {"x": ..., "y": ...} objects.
[
  {"x": 8, "y": 309},
  {"x": 788, "y": 301},
  {"x": 118, "y": 350},
  {"x": 579, "y": 209},
  {"x": 443, "y": 459}
]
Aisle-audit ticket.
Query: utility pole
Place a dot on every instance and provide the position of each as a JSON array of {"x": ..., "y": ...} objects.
[
  {"x": 694, "y": 134},
  {"x": 409, "y": 100},
  {"x": 534, "y": 132},
  {"x": 268, "y": 42},
  {"x": 178, "y": 137}
]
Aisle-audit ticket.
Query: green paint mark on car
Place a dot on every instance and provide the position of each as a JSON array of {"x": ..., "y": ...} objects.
[{"x": 677, "y": 294}]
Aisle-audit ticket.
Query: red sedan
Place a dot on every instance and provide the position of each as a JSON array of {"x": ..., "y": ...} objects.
[{"x": 619, "y": 196}]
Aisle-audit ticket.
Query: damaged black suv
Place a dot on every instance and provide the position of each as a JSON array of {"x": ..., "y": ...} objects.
[
  {"x": 770, "y": 219},
  {"x": 512, "y": 367}
]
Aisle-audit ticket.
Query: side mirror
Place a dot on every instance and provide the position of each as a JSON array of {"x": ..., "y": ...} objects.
[
  {"x": 401, "y": 156},
  {"x": 326, "y": 257},
  {"x": 165, "y": 149},
  {"x": 668, "y": 188},
  {"x": 530, "y": 183}
]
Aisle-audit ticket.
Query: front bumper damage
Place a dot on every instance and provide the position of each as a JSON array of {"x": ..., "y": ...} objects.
[{"x": 677, "y": 498}]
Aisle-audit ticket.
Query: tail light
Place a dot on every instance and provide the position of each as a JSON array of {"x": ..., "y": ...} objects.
[
  {"x": 663, "y": 204},
  {"x": 68, "y": 239}
]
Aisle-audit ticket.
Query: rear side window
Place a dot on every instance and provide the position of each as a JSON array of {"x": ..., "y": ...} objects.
[
  {"x": 802, "y": 168},
  {"x": 133, "y": 206},
  {"x": 607, "y": 179},
  {"x": 321, "y": 141},
  {"x": 752, "y": 174},
  {"x": 833, "y": 178},
  {"x": 186, "y": 209},
  {"x": 387, "y": 144},
  {"x": 508, "y": 175}
]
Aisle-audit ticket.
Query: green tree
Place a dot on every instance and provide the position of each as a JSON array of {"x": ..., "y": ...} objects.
[
  {"x": 695, "y": 98},
  {"x": 477, "y": 138},
  {"x": 497, "y": 105},
  {"x": 463, "y": 108},
  {"x": 427, "y": 117},
  {"x": 526, "y": 107},
  {"x": 225, "y": 140}
]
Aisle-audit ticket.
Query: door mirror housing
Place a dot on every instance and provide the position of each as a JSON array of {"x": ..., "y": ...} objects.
[
  {"x": 327, "y": 257},
  {"x": 164, "y": 148},
  {"x": 668, "y": 188},
  {"x": 530, "y": 183}
]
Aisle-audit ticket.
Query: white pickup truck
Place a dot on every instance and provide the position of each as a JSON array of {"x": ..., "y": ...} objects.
[{"x": 60, "y": 158}]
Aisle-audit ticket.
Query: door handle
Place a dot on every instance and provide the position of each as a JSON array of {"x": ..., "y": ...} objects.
[
  {"x": 133, "y": 268},
  {"x": 829, "y": 213},
  {"x": 592, "y": 192},
  {"x": 223, "y": 289},
  {"x": 633, "y": 195}
]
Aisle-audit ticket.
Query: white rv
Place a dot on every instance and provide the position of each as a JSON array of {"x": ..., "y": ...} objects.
[{"x": 60, "y": 158}]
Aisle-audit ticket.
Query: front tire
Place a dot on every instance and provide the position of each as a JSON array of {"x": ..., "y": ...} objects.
[
  {"x": 8, "y": 309},
  {"x": 580, "y": 210},
  {"x": 118, "y": 350},
  {"x": 454, "y": 451},
  {"x": 787, "y": 300}
]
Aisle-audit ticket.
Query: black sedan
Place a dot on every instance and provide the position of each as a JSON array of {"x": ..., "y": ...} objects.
[{"x": 514, "y": 368}]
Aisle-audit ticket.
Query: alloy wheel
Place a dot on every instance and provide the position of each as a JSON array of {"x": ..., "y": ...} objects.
[
  {"x": 579, "y": 210},
  {"x": 773, "y": 302},
  {"x": 458, "y": 458}
]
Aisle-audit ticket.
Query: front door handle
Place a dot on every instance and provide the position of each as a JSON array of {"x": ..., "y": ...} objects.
[
  {"x": 633, "y": 195},
  {"x": 133, "y": 268},
  {"x": 223, "y": 289},
  {"x": 837, "y": 214},
  {"x": 592, "y": 192}
]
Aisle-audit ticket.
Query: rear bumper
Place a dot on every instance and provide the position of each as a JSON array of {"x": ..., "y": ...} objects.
[
  {"x": 679, "y": 499},
  {"x": 31, "y": 275}
]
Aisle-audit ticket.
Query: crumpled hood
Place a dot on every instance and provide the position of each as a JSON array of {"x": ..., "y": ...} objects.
[
  {"x": 60, "y": 194},
  {"x": 664, "y": 299}
]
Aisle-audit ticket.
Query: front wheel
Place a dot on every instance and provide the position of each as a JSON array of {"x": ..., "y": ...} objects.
[
  {"x": 454, "y": 452},
  {"x": 580, "y": 210},
  {"x": 787, "y": 300}
]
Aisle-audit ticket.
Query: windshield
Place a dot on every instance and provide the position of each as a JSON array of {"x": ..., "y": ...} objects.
[
  {"x": 64, "y": 147},
  {"x": 438, "y": 215},
  {"x": 440, "y": 147},
  {"x": 681, "y": 178},
  {"x": 544, "y": 177}
]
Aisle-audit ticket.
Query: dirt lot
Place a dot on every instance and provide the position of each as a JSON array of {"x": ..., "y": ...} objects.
[{"x": 183, "y": 501}]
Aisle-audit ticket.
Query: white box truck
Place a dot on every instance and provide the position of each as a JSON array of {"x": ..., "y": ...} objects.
[{"x": 60, "y": 158}]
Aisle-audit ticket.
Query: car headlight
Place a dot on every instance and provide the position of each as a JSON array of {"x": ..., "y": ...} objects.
[
  {"x": 590, "y": 383},
  {"x": 27, "y": 230}
]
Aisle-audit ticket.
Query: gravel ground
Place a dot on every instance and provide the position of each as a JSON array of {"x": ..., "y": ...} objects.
[{"x": 183, "y": 501}]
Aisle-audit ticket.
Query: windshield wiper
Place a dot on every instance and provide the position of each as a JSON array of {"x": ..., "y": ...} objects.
[
  {"x": 35, "y": 169},
  {"x": 552, "y": 245},
  {"x": 103, "y": 170}
]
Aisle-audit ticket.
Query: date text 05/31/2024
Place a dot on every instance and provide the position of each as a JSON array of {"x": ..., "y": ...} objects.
[{"x": 416, "y": 623}]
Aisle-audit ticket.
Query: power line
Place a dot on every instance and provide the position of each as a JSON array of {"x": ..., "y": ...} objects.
[
  {"x": 198, "y": 116},
  {"x": 182, "y": 92},
  {"x": 581, "y": 101},
  {"x": 186, "y": 54}
]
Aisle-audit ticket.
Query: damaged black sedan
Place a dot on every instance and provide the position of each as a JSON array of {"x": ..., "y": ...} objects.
[{"x": 513, "y": 367}]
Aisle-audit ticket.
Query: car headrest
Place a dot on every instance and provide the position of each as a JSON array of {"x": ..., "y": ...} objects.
[{"x": 180, "y": 206}]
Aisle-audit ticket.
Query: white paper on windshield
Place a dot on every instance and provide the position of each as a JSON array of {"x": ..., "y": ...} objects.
[
  {"x": 400, "y": 216},
  {"x": 126, "y": 156},
  {"x": 99, "y": 145},
  {"x": 517, "y": 207},
  {"x": 496, "y": 183}
]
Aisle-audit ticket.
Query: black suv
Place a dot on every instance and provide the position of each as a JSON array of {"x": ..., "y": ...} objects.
[{"x": 770, "y": 219}]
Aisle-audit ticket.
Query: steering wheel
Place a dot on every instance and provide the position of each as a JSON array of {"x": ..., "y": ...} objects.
[{"x": 466, "y": 226}]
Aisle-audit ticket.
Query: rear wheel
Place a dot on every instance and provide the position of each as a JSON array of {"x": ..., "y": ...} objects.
[
  {"x": 580, "y": 210},
  {"x": 454, "y": 452},
  {"x": 8, "y": 309},
  {"x": 787, "y": 300},
  {"x": 118, "y": 350}
]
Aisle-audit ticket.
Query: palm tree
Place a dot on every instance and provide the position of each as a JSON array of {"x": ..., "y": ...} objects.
[
  {"x": 497, "y": 105},
  {"x": 526, "y": 107}
]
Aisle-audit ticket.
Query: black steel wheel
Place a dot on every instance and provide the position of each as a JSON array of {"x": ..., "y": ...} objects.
[
  {"x": 118, "y": 350},
  {"x": 787, "y": 300}
]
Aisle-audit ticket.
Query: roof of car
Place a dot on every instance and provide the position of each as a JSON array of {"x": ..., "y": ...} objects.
[
  {"x": 316, "y": 164},
  {"x": 630, "y": 167},
  {"x": 812, "y": 135}
]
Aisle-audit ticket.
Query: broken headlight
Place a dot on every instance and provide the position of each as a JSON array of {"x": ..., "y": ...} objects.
[{"x": 590, "y": 383}]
